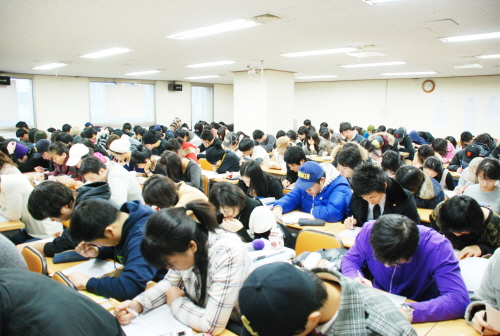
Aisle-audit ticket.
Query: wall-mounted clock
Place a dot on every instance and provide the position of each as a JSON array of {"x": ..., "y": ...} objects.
[{"x": 428, "y": 86}]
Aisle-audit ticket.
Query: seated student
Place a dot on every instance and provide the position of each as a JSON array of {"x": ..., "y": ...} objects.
[
  {"x": 472, "y": 229},
  {"x": 223, "y": 160},
  {"x": 423, "y": 153},
  {"x": 144, "y": 162},
  {"x": 256, "y": 183},
  {"x": 486, "y": 142},
  {"x": 153, "y": 141},
  {"x": 391, "y": 162},
  {"x": 331, "y": 140},
  {"x": 433, "y": 167},
  {"x": 463, "y": 157},
  {"x": 124, "y": 187},
  {"x": 349, "y": 133},
  {"x": 252, "y": 152},
  {"x": 444, "y": 148},
  {"x": 231, "y": 142},
  {"x": 404, "y": 142},
  {"x": 294, "y": 141},
  {"x": 60, "y": 155},
  {"x": 468, "y": 176},
  {"x": 488, "y": 293},
  {"x": 413, "y": 261},
  {"x": 373, "y": 149},
  {"x": 375, "y": 194},
  {"x": 10, "y": 257},
  {"x": 466, "y": 139},
  {"x": 105, "y": 232},
  {"x": 319, "y": 190},
  {"x": 427, "y": 192},
  {"x": 294, "y": 157},
  {"x": 453, "y": 141},
  {"x": 208, "y": 263},
  {"x": 315, "y": 145},
  {"x": 266, "y": 141},
  {"x": 282, "y": 144},
  {"x": 240, "y": 213},
  {"x": 486, "y": 192},
  {"x": 126, "y": 129},
  {"x": 122, "y": 153},
  {"x": 181, "y": 169},
  {"x": 208, "y": 140},
  {"x": 161, "y": 192},
  {"x": 91, "y": 134},
  {"x": 348, "y": 159},
  {"x": 416, "y": 139},
  {"x": 279, "y": 134},
  {"x": 317, "y": 302},
  {"x": 26, "y": 161},
  {"x": 307, "y": 124},
  {"x": 188, "y": 149},
  {"x": 31, "y": 302},
  {"x": 388, "y": 141},
  {"x": 7, "y": 166},
  {"x": 22, "y": 134}
]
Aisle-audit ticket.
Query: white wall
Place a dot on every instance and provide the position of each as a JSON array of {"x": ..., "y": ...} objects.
[
  {"x": 173, "y": 104},
  {"x": 224, "y": 103}
]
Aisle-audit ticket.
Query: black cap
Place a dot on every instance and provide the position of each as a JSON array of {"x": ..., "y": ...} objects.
[
  {"x": 471, "y": 151},
  {"x": 399, "y": 135},
  {"x": 41, "y": 147},
  {"x": 150, "y": 137}
]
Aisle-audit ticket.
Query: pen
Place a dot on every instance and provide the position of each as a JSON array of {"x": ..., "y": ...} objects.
[
  {"x": 482, "y": 329},
  {"x": 360, "y": 276},
  {"x": 352, "y": 219},
  {"x": 133, "y": 312}
]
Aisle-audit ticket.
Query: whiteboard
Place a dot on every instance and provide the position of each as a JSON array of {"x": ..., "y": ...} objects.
[{"x": 125, "y": 101}]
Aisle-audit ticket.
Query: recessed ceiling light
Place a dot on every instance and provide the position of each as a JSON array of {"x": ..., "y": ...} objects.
[
  {"x": 107, "y": 52},
  {"x": 316, "y": 77},
  {"x": 215, "y": 29},
  {"x": 320, "y": 52},
  {"x": 374, "y": 2},
  {"x": 408, "y": 73},
  {"x": 50, "y": 66},
  {"x": 489, "y": 56},
  {"x": 474, "y": 37},
  {"x": 202, "y": 65},
  {"x": 361, "y": 65},
  {"x": 203, "y": 77},
  {"x": 469, "y": 66},
  {"x": 146, "y": 72}
]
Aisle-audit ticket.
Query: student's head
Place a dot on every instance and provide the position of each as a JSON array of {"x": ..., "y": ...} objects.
[
  {"x": 382, "y": 128},
  {"x": 452, "y": 140},
  {"x": 347, "y": 160},
  {"x": 292, "y": 135},
  {"x": 227, "y": 198},
  {"x": 111, "y": 138},
  {"x": 394, "y": 239},
  {"x": 140, "y": 157},
  {"x": 126, "y": 127},
  {"x": 231, "y": 141},
  {"x": 294, "y": 157},
  {"x": 42, "y": 150},
  {"x": 410, "y": 178},
  {"x": 172, "y": 165},
  {"x": 424, "y": 152},
  {"x": 440, "y": 146},
  {"x": 370, "y": 183},
  {"x": 258, "y": 135},
  {"x": 246, "y": 146},
  {"x": 307, "y": 123},
  {"x": 22, "y": 134},
  {"x": 460, "y": 215},
  {"x": 77, "y": 153},
  {"x": 93, "y": 170},
  {"x": 302, "y": 132},
  {"x": 22, "y": 124},
  {"x": 207, "y": 138},
  {"x": 253, "y": 177},
  {"x": 121, "y": 148},
  {"x": 483, "y": 138},
  {"x": 345, "y": 129},
  {"x": 51, "y": 199},
  {"x": 282, "y": 144},
  {"x": 299, "y": 294},
  {"x": 173, "y": 145},
  {"x": 182, "y": 133},
  {"x": 313, "y": 139},
  {"x": 325, "y": 133},
  {"x": 160, "y": 192},
  {"x": 466, "y": 139},
  {"x": 151, "y": 139},
  {"x": 433, "y": 167},
  {"x": 280, "y": 133},
  {"x": 215, "y": 155},
  {"x": 198, "y": 127},
  {"x": 221, "y": 132},
  {"x": 311, "y": 178},
  {"x": 488, "y": 174},
  {"x": 90, "y": 133},
  {"x": 59, "y": 152},
  {"x": 174, "y": 240}
]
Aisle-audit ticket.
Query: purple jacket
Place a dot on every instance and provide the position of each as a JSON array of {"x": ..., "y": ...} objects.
[{"x": 432, "y": 277}]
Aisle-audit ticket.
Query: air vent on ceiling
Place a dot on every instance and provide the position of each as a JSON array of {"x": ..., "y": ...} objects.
[{"x": 265, "y": 18}]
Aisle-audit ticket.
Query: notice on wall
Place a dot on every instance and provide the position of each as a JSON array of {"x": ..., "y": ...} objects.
[
  {"x": 469, "y": 114},
  {"x": 440, "y": 113},
  {"x": 492, "y": 110},
  {"x": 385, "y": 113}
]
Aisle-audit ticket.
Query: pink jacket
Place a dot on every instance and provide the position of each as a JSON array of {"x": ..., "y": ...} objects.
[{"x": 450, "y": 153}]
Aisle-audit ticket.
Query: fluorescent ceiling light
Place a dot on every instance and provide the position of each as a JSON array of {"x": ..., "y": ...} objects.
[
  {"x": 107, "y": 52},
  {"x": 469, "y": 66},
  {"x": 361, "y": 65},
  {"x": 147, "y": 72},
  {"x": 374, "y": 2},
  {"x": 475, "y": 37},
  {"x": 320, "y": 52},
  {"x": 363, "y": 54},
  {"x": 408, "y": 73},
  {"x": 202, "y": 65},
  {"x": 316, "y": 77},
  {"x": 489, "y": 56},
  {"x": 202, "y": 77},
  {"x": 215, "y": 29},
  {"x": 50, "y": 66}
]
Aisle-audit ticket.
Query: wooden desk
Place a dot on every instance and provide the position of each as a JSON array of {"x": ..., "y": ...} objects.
[
  {"x": 11, "y": 225},
  {"x": 52, "y": 268},
  {"x": 338, "y": 227},
  {"x": 320, "y": 159},
  {"x": 455, "y": 175},
  {"x": 452, "y": 327},
  {"x": 423, "y": 329},
  {"x": 271, "y": 171},
  {"x": 404, "y": 154},
  {"x": 424, "y": 215}
]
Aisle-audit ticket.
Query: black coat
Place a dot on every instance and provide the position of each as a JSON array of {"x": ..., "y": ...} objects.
[
  {"x": 408, "y": 147},
  {"x": 398, "y": 201},
  {"x": 273, "y": 187}
]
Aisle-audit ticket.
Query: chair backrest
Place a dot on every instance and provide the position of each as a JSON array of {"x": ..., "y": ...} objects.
[
  {"x": 60, "y": 277},
  {"x": 206, "y": 185},
  {"x": 66, "y": 223},
  {"x": 312, "y": 240},
  {"x": 35, "y": 260},
  {"x": 204, "y": 164}
]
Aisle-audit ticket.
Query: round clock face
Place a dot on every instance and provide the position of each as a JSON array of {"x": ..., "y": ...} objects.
[{"x": 428, "y": 86}]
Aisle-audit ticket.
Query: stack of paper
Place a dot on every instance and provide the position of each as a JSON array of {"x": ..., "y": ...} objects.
[
  {"x": 94, "y": 268},
  {"x": 350, "y": 233},
  {"x": 157, "y": 322}
]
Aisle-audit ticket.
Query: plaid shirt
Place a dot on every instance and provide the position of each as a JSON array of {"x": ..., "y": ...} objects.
[{"x": 229, "y": 265}]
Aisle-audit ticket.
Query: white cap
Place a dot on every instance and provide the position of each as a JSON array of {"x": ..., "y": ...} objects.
[
  {"x": 75, "y": 154},
  {"x": 121, "y": 145}
]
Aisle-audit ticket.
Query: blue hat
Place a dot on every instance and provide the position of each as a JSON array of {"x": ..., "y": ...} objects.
[
  {"x": 309, "y": 173},
  {"x": 88, "y": 124}
]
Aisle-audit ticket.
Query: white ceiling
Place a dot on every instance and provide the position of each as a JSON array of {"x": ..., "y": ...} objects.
[{"x": 37, "y": 32}]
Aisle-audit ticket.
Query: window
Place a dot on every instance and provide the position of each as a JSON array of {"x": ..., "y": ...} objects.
[
  {"x": 112, "y": 103},
  {"x": 17, "y": 101},
  {"x": 202, "y": 104}
]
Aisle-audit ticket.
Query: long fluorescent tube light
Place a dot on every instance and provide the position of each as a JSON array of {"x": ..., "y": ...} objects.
[
  {"x": 474, "y": 37},
  {"x": 202, "y": 65},
  {"x": 203, "y": 77},
  {"x": 489, "y": 56},
  {"x": 320, "y": 52},
  {"x": 50, "y": 66},
  {"x": 469, "y": 66},
  {"x": 371, "y": 64},
  {"x": 408, "y": 73},
  {"x": 147, "y": 72},
  {"x": 374, "y": 2},
  {"x": 215, "y": 29},
  {"x": 316, "y": 77},
  {"x": 105, "y": 53}
]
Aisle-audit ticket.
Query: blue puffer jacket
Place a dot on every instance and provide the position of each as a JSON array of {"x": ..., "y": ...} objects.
[{"x": 331, "y": 204}]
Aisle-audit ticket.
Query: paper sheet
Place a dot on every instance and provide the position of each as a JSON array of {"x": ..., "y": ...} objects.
[
  {"x": 469, "y": 114},
  {"x": 472, "y": 270},
  {"x": 93, "y": 268},
  {"x": 211, "y": 174},
  {"x": 493, "y": 317},
  {"x": 294, "y": 216},
  {"x": 450, "y": 193},
  {"x": 350, "y": 233},
  {"x": 156, "y": 322},
  {"x": 396, "y": 299}
]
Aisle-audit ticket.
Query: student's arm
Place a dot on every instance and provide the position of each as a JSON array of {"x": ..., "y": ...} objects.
[
  {"x": 337, "y": 205},
  {"x": 290, "y": 201},
  {"x": 155, "y": 296},
  {"x": 454, "y": 163},
  {"x": 13, "y": 207},
  {"x": 453, "y": 298},
  {"x": 357, "y": 256},
  {"x": 258, "y": 160},
  {"x": 321, "y": 148},
  {"x": 119, "y": 189},
  {"x": 59, "y": 244},
  {"x": 195, "y": 173},
  {"x": 275, "y": 189}
]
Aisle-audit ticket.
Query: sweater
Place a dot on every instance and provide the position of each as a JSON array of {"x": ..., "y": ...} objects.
[
  {"x": 269, "y": 143},
  {"x": 489, "y": 199},
  {"x": 407, "y": 147},
  {"x": 124, "y": 187},
  {"x": 9, "y": 169},
  {"x": 259, "y": 155},
  {"x": 10, "y": 256},
  {"x": 230, "y": 162},
  {"x": 192, "y": 175},
  {"x": 432, "y": 276}
]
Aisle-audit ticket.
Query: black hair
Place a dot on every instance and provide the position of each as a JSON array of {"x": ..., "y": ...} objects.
[
  {"x": 381, "y": 128},
  {"x": 51, "y": 129},
  {"x": 246, "y": 144},
  {"x": 89, "y": 132},
  {"x": 222, "y": 123},
  {"x": 126, "y": 126},
  {"x": 21, "y": 132},
  {"x": 227, "y": 194},
  {"x": 221, "y": 132},
  {"x": 214, "y": 154},
  {"x": 198, "y": 128},
  {"x": 59, "y": 148},
  {"x": 173, "y": 145},
  {"x": 367, "y": 144},
  {"x": 181, "y": 133},
  {"x": 239, "y": 133},
  {"x": 461, "y": 213},
  {"x": 323, "y": 124},
  {"x": 490, "y": 169},
  {"x": 483, "y": 138},
  {"x": 345, "y": 126},
  {"x": 280, "y": 133},
  {"x": 136, "y": 128},
  {"x": 141, "y": 131},
  {"x": 349, "y": 157},
  {"x": 367, "y": 179},
  {"x": 307, "y": 122},
  {"x": 63, "y": 137},
  {"x": 215, "y": 125},
  {"x": 390, "y": 131},
  {"x": 313, "y": 135},
  {"x": 325, "y": 133},
  {"x": 207, "y": 135},
  {"x": 410, "y": 178},
  {"x": 452, "y": 140},
  {"x": 294, "y": 154},
  {"x": 66, "y": 128},
  {"x": 170, "y": 231},
  {"x": 440, "y": 146},
  {"x": 358, "y": 129},
  {"x": 230, "y": 127},
  {"x": 31, "y": 135},
  {"x": 89, "y": 144},
  {"x": 91, "y": 165},
  {"x": 436, "y": 165},
  {"x": 391, "y": 161},
  {"x": 90, "y": 219},
  {"x": 258, "y": 178},
  {"x": 160, "y": 191},
  {"x": 21, "y": 124},
  {"x": 257, "y": 134},
  {"x": 48, "y": 198},
  {"x": 292, "y": 135},
  {"x": 465, "y": 137},
  {"x": 172, "y": 165},
  {"x": 140, "y": 156},
  {"x": 303, "y": 130},
  {"x": 394, "y": 239},
  {"x": 424, "y": 152}
]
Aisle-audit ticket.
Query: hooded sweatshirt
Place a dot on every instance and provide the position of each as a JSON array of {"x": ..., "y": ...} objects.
[
  {"x": 136, "y": 272},
  {"x": 430, "y": 195},
  {"x": 417, "y": 138},
  {"x": 332, "y": 202}
]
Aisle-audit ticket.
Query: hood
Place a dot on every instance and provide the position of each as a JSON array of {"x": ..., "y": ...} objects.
[
  {"x": 337, "y": 149},
  {"x": 427, "y": 188},
  {"x": 331, "y": 173},
  {"x": 417, "y": 138},
  {"x": 137, "y": 212},
  {"x": 93, "y": 190},
  {"x": 386, "y": 136}
]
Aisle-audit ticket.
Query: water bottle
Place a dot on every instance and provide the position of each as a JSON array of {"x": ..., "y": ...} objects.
[{"x": 276, "y": 238}]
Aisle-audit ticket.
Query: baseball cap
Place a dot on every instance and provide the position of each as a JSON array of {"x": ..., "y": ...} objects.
[
  {"x": 308, "y": 174},
  {"x": 121, "y": 145},
  {"x": 471, "y": 172},
  {"x": 377, "y": 142},
  {"x": 283, "y": 142},
  {"x": 276, "y": 299},
  {"x": 41, "y": 146},
  {"x": 229, "y": 139},
  {"x": 471, "y": 151},
  {"x": 157, "y": 128},
  {"x": 88, "y": 124},
  {"x": 75, "y": 154},
  {"x": 150, "y": 137},
  {"x": 40, "y": 134},
  {"x": 398, "y": 135},
  {"x": 21, "y": 150}
]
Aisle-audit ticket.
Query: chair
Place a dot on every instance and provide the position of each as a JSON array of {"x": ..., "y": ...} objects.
[
  {"x": 205, "y": 165},
  {"x": 66, "y": 223},
  {"x": 206, "y": 185},
  {"x": 60, "y": 277},
  {"x": 312, "y": 240},
  {"x": 35, "y": 260}
]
